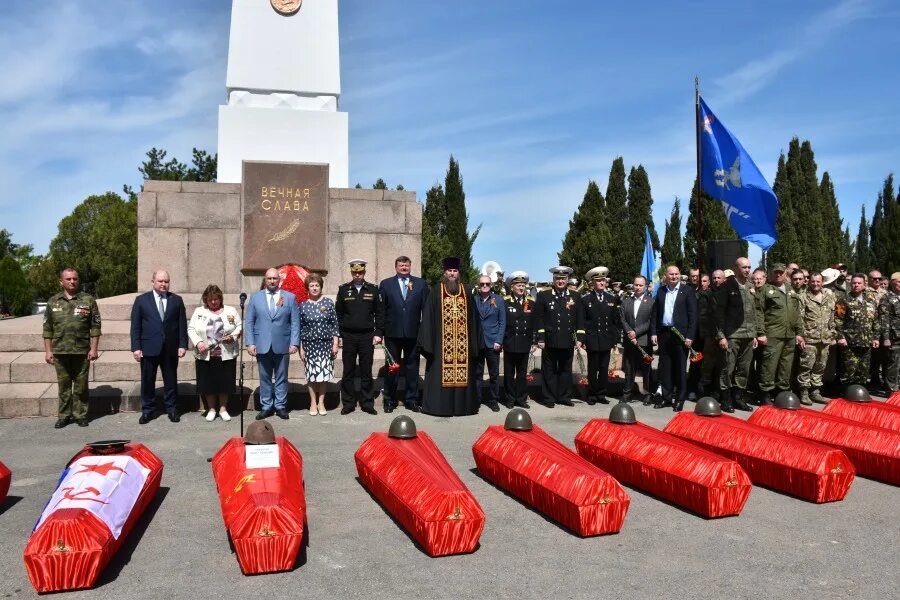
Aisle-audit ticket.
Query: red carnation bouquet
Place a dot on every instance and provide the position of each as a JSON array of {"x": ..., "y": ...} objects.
[
  {"x": 293, "y": 280},
  {"x": 529, "y": 377},
  {"x": 582, "y": 380},
  {"x": 392, "y": 365},
  {"x": 693, "y": 355},
  {"x": 645, "y": 358}
]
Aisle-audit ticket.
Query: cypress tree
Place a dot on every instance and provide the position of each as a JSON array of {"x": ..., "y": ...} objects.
[
  {"x": 616, "y": 220},
  {"x": 889, "y": 259},
  {"x": 586, "y": 244},
  {"x": 457, "y": 231},
  {"x": 809, "y": 210},
  {"x": 787, "y": 248},
  {"x": 877, "y": 237},
  {"x": 715, "y": 226},
  {"x": 671, "y": 253},
  {"x": 849, "y": 252},
  {"x": 435, "y": 245},
  {"x": 863, "y": 255},
  {"x": 836, "y": 249},
  {"x": 640, "y": 216}
]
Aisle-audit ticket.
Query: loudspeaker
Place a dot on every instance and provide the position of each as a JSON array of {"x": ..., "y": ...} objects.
[{"x": 722, "y": 254}]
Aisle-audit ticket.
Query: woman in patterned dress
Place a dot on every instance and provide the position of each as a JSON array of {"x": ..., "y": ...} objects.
[{"x": 318, "y": 342}]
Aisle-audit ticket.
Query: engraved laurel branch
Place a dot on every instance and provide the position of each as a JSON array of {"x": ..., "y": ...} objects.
[{"x": 286, "y": 232}]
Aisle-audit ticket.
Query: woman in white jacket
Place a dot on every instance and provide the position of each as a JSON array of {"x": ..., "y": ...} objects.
[{"x": 214, "y": 330}]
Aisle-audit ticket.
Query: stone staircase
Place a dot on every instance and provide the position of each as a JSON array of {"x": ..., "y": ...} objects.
[{"x": 28, "y": 384}]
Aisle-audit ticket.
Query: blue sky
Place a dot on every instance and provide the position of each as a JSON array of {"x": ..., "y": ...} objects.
[{"x": 533, "y": 98}]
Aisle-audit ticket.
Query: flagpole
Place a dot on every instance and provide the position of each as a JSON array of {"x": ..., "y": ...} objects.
[{"x": 699, "y": 213}]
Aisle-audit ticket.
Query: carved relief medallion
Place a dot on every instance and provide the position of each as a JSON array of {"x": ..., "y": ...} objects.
[{"x": 286, "y": 7}]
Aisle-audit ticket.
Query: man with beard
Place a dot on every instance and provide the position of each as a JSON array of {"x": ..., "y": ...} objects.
[
  {"x": 554, "y": 318},
  {"x": 450, "y": 338}
]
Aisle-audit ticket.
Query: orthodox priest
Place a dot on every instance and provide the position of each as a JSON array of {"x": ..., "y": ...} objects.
[{"x": 449, "y": 339}]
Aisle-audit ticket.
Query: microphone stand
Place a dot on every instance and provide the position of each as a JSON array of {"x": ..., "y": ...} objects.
[{"x": 243, "y": 298}]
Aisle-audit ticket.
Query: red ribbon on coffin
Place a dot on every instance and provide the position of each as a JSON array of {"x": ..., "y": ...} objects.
[
  {"x": 877, "y": 414},
  {"x": 665, "y": 466},
  {"x": 416, "y": 485},
  {"x": 894, "y": 399},
  {"x": 5, "y": 480},
  {"x": 875, "y": 452},
  {"x": 782, "y": 462},
  {"x": 540, "y": 471},
  {"x": 264, "y": 509},
  {"x": 70, "y": 549}
]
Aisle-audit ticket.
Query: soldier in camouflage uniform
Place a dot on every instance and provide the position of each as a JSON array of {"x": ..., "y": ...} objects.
[
  {"x": 889, "y": 315},
  {"x": 817, "y": 313},
  {"x": 857, "y": 326},
  {"x": 71, "y": 335},
  {"x": 782, "y": 332},
  {"x": 877, "y": 361},
  {"x": 737, "y": 322}
]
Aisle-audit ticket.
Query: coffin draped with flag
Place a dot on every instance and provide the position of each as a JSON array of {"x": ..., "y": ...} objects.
[
  {"x": 540, "y": 471},
  {"x": 666, "y": 466},
  {"x": 894, "y": 399},
  {"x": 97, "y": 502},
  {"x": 877, "y": 414},
  {"x": 415, "y": 484},
  {"x": 875, "y": 452},
  {"x": 779, "y": 461},
  {"x": 264, "y": 509},
  {"x": 5, "y": 479}
]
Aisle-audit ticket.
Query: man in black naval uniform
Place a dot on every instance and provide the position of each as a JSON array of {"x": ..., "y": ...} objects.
[
  {"x": 518, "y": 341},
  {"x": 599, "y": 329},
  {"x": 554, "y": 318},
  {"x": 360, "y": 315}
]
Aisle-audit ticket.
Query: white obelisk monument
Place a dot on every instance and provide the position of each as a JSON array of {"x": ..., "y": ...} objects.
[{"x": 283, "y": 85}]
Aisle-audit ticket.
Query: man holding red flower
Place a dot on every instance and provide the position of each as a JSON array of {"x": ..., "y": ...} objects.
[{"x": 673, "y": 327}]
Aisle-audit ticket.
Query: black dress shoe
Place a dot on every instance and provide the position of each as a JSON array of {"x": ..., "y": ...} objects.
[
  {"x": 648, "y": 400},
  {"x": 173, "y": 416},
  {"x": 61, "y": 422},
  {"x": 508, "y": 404},
  {"x": 493, "y": 406},
  {"x": 82, "y": 422},
  {"x": 370, "y": 410},
  {"x": 565, "y": 402},
  {"x": 144, "y": 419},
  {"x": 602, "y": 400},
  {"x": 264, "y": 414},
  {"x": 522, "y": 404},
  {"x": 412, "y": 407},
  {"x": 590, "y": 401},
  {"x": 346, "y": 410},
  {"x": 663, "y": 403},
  {"x": 388, "y": 407},
  {"x": 282, "y": 414},
  {"x": 678, "y": 406}
]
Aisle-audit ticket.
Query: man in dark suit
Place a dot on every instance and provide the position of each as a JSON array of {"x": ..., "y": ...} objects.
[
  {"x": 555, "y": 314},
  {"x": 403, "y": 297},
  {"x": 599, "y": 329},
  {"x": 675, "y": 308},
  {"x": 158, "y": 340},
  {"x": 518, "y": 341},
  {"x": 272, "y": 334},
  {"x": 636, "y": 312}
]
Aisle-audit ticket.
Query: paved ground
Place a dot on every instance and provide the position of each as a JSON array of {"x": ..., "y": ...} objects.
[{"x": 780, "y": 547}]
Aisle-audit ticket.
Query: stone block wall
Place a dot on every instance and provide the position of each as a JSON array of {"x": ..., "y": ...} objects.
[{"x": 194, "y": 231}]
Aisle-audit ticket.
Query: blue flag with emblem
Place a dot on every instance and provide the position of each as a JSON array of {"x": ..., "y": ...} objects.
[
  {"x": 731, "y": 176},
  {"x": 648, "y": 263}
]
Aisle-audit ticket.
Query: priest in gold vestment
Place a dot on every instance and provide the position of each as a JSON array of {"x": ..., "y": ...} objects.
[{"x": 449, "y": 339}]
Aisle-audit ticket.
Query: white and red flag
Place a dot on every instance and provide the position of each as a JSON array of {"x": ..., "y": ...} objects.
[{"x": 107, "y": 486}]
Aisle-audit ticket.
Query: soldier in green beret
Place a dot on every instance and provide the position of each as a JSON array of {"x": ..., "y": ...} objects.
[
  {"x": 71, "y": 335},
  {"x": 781, "y": 334}
]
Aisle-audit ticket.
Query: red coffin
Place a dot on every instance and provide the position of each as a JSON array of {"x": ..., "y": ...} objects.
[
  {"x": 894, "y": 399},
  {"x": 416, "y": 485},
  {"x": 877, "y": 414},
  {"x": 264, "y": 509},
  {"x": 665, "y": 466},
  {"x": 70, "y": 549},
  {"x": 875, "y": 452},
  {"x": 779, "y": 461},
  {"x": 544, "y": 474},
  {"x": 5, "y": 479}
]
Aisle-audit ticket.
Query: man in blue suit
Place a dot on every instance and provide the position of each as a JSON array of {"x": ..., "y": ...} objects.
[
  {"x": 492, "y": 310},
  {"x": 404, "y": 297},
  {"x": 158, "y": 340},
  {"x": 272, "y": 334},
  {"x": 675, "y": 307}
]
